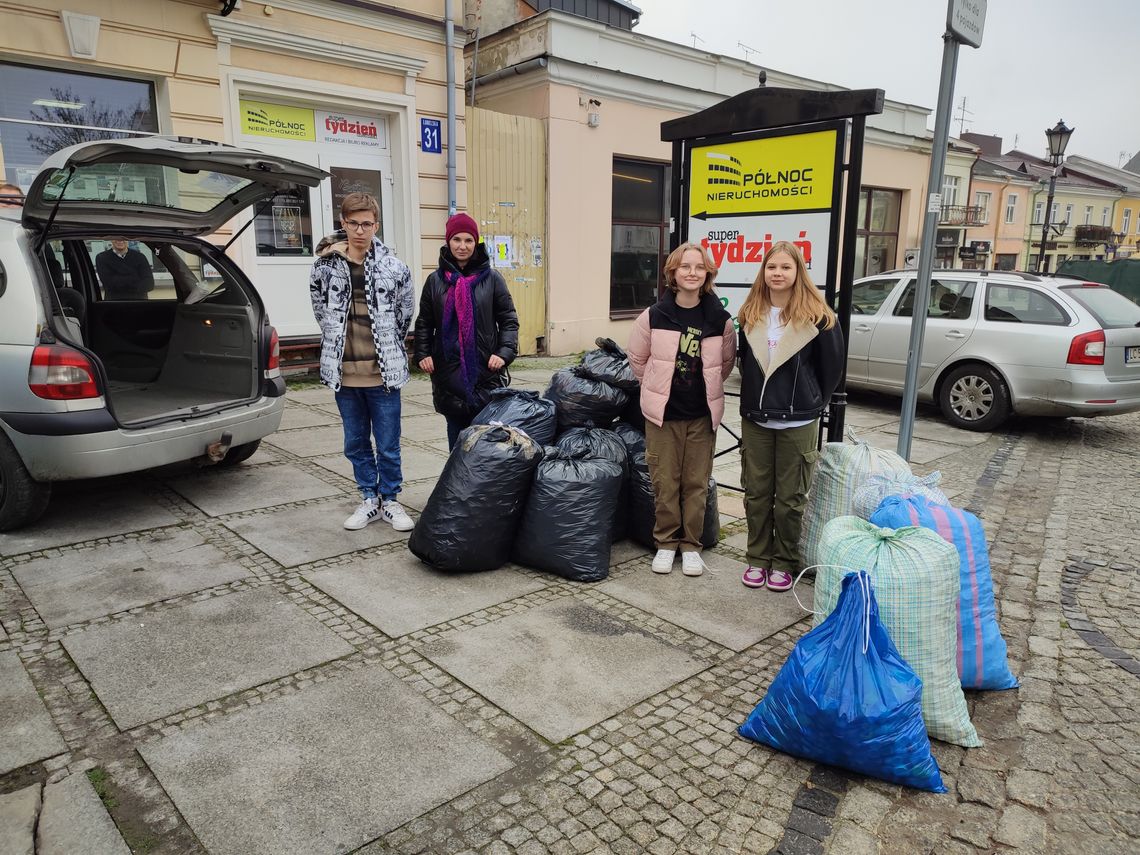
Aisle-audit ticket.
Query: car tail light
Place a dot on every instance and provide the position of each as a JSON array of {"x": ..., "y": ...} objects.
[
  {"x": 61, "y": 374},
  {"x": 273, "y": 366},
  {"x": 1087, "y": 349}
]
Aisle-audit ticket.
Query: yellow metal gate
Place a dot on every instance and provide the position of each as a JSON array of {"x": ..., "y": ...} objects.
[{"x": 506, "y": 187}]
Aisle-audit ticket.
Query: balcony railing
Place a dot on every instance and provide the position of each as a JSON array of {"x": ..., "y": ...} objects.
[
  {"x": 962, "y": 215},
  {"x": 1093, "y": 235}
]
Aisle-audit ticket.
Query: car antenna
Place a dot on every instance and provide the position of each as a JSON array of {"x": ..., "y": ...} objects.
[{"x": 54, "y": 210}]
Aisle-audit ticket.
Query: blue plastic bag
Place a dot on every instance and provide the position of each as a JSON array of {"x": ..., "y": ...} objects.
[
  {"x": 847, "y": 698},
  {"x": 982, "y": 662}
]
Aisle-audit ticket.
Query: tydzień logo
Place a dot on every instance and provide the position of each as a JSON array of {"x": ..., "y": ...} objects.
[{"x": 788, "y": 173}]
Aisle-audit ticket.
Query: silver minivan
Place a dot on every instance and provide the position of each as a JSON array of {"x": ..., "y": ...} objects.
[
  {"x": 999, "y": 343},
  {"x": 127, "y": 341}
]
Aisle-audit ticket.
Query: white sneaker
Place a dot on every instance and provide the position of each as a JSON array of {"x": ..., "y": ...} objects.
[
  {"x": 369, "y": 511},
  {"x": 692, "y": 564},
  {"x": 663, "y": 560},
  {"x": 394, "y": 513}
]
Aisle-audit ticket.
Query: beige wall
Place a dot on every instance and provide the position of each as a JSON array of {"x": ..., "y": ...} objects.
[
  {"x": 1005, "y": 238},
  {"x": 905, "y": 170}
]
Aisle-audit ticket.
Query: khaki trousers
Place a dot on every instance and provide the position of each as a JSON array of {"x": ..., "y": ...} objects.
[
  {"x": 680, "y": 458},
  {"x": 776, "y": 470}
]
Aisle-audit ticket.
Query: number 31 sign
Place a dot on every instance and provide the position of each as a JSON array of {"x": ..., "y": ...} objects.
[{"x": 430, "y": 142}]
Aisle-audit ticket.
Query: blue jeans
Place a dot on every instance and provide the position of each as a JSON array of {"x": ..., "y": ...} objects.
[{"x": 367, "y": 413}]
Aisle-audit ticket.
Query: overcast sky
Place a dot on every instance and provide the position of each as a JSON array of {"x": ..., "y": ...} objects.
[{"x": 1040, "y": 60}]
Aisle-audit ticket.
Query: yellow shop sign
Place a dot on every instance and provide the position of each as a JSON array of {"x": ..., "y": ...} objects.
[
  {"x": 775, "y": 174},
  {"x": 278, "y": 121}
]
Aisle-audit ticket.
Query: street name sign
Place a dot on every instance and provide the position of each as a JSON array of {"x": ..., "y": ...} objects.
[{"x": 966, "y": 19}]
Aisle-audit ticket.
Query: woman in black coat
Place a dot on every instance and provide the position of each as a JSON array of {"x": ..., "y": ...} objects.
[{"x": 467, "y": 330}]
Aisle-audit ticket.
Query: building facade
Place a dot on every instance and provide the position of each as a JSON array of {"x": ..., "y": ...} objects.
[
  {"x": 1123, "y": 239},
  {"x": 1001, "y": 197},
  {"x": 340, "y": 85}
]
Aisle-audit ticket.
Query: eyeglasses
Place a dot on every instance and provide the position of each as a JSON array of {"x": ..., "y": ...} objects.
[{"x": 358, "y": 227}]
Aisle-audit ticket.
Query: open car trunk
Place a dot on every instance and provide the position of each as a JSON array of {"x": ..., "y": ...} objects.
[{"x": 188, "y": 346}]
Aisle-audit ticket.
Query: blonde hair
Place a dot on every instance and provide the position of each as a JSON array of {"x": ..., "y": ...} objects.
[
  {"x": 805, "y": 306},
  {"x": 674, "y": 261}
]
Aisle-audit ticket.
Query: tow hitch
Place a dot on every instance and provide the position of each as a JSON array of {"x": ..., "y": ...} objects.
[{"x": 215, "y": 451}]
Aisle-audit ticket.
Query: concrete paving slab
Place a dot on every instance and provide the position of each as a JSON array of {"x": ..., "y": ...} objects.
[
  {"x": 420, "y": 463},
  {"x": 922, "y": 451},
  {"x": 417, "y": 405},
  {"x": 738, "y": 541},
  {"x": 625, "y": 550},
  {"x": 264, "y": 454},
  {"x": 76, "y": 515},
  {"x": 148, "y": 668},
  {"x": 298, "y": 535},
  {"x": 74, "y": 820},
  {"x": 320, "y": 771},
  {"x": 312, "y": 395},
  {"x": 337, "y": 463},
  {"x": 78, "y": 586},
  {"x": 715, "y": 606},
  {"x": 311, "y": 442},
  {"x": 424, "y": 428},
  {"x": 302, "y": 417},
  {"x": 415, "y": 496},
  {"x": 18, "y": 814},
  {"x": 936, "y": 431},
  {"x": 399, "y": 594},
  {"x": 27, "y": 733},
  {"x": 862, "y": 419},
  {"x": 228, "y": 491},
  {"x": 561, "y": 667}
]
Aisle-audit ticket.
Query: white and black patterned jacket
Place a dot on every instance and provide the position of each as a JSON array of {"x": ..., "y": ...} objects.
[{"x": 389, "y": 294}]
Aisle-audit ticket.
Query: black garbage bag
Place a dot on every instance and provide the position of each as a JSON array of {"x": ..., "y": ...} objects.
[
  {"x": 521, "y": 408},
  {"x": 610, "y": 364},
  {"x": 633, "y": 438},
  {"x": 643, "y": 512},
  {"x": 564, "y": 526},
  {"x": 582, "y": 401},
  {"x": 470, "y": 520},
  {"x": 605, "y": 443},
  {"x": 632, "y": 412}
]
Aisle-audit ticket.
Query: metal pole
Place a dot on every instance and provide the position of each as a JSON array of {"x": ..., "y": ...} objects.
[
  {"x": 837, "y": 413},
  {"x": 451, "y": 207},
  {"x": 926, "y": 253},
  {"x": 1048, "y": 212}
]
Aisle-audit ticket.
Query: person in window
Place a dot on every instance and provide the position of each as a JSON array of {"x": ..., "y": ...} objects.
[
  {"x": 11, "y": 196},
  {"x": 362, "y": 299},
  {"x": 682, "y": 349},
  {"x": 125, "y": 273},
  {"x": 791, "y": 359},
  {"x": 467, "y": 330}
]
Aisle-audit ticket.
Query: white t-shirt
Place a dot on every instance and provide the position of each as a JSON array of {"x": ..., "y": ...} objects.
[{"x": 775, "y": 333}]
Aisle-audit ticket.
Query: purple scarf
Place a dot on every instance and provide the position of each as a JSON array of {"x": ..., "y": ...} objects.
[{"x": 459, "y": 328}]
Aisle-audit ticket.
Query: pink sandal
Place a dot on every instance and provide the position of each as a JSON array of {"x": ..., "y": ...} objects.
[
  {"x": 779, "y": 580},
  {"x": 755, "y": 577}
]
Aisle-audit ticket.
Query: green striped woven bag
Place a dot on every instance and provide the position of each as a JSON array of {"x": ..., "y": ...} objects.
[
  {"x": 916, "y": 578},
  {"x": 843, "y": 468}
]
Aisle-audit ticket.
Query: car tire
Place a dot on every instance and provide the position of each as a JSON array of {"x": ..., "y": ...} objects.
[
  {"x": 974, "y": 397},
  {"x": 23, "y": 500},
  {"x": 240, "y": 453}
]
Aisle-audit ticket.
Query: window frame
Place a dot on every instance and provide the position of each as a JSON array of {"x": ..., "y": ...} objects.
[
  {"x": 1066, "y": 317},
  {"x": 665, "y": 167},
  {"x": 864, "y": 232},
  {"x": 982, "y": 199},
  {"x": 1011, "y": 208}
]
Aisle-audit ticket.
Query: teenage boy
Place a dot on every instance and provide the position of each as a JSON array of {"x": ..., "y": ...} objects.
[{"x": 363, "y": 299}]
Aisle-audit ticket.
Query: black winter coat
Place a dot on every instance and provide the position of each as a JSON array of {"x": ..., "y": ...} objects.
[
  {"x": 801, "y": 384},
  {"x": 496, "y": 332}
]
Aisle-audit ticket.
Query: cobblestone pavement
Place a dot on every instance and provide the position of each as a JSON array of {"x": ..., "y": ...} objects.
[{"x": 1059, "y": 773}]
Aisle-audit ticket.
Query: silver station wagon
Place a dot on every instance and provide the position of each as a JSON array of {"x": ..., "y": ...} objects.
[
  {"x": 127, "y": 341},
  {"x": 999, "y": 343}
]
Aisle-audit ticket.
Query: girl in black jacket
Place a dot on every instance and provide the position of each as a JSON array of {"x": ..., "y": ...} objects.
[
  {"x": 467, "y": 331},
  {"x": 791, "y": 359}
]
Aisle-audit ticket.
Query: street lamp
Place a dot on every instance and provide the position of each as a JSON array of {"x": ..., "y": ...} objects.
[{"x": 1058, "y": 137}]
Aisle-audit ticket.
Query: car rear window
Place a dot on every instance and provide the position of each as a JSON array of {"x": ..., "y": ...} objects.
[{"x": 1112, "y": 310}]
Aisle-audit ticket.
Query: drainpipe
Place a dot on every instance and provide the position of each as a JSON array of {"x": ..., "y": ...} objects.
[
  {"x": 450, "y": 26},
  {"x": 510, "y": 71}
]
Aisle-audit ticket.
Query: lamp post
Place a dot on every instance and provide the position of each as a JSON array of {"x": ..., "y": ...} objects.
[{"x": 1058, "y": 137}]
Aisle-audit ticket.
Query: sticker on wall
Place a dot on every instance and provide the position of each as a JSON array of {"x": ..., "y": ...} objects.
[
  {"x": 502, "y": 250},
  {"x": 262, "y": 119},
  {"x": 536, "y": 251},
  {"x": 286, "y": 227}
]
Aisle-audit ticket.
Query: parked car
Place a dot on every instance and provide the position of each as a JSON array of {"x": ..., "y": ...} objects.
[
  {"x": 998, "y": 343},
  {"x": 126, "y": 340}
]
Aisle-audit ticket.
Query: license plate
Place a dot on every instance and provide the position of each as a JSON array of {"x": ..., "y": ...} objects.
[{"x": 1131, "y": 355}]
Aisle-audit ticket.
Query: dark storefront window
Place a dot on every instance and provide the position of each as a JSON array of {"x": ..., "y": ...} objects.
[
  {"x": 640, "y": 234},
  {"x": 877, "y": 241},
  {"x": 43, "y": 110}
]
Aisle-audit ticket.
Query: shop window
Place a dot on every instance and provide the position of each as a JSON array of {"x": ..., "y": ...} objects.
[
  {"x": 876, "y": 244},
  {"x": 283, "y": 226},
  {"x": 43, "y": 110},
  {"x": 639, "y": 234},
  {"x": 1006, "y": 261}
]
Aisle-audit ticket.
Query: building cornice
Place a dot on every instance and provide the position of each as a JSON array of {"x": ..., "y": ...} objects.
[
  {"x": 375, "y": 18},
  {"x": 229, "y": 33}
]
